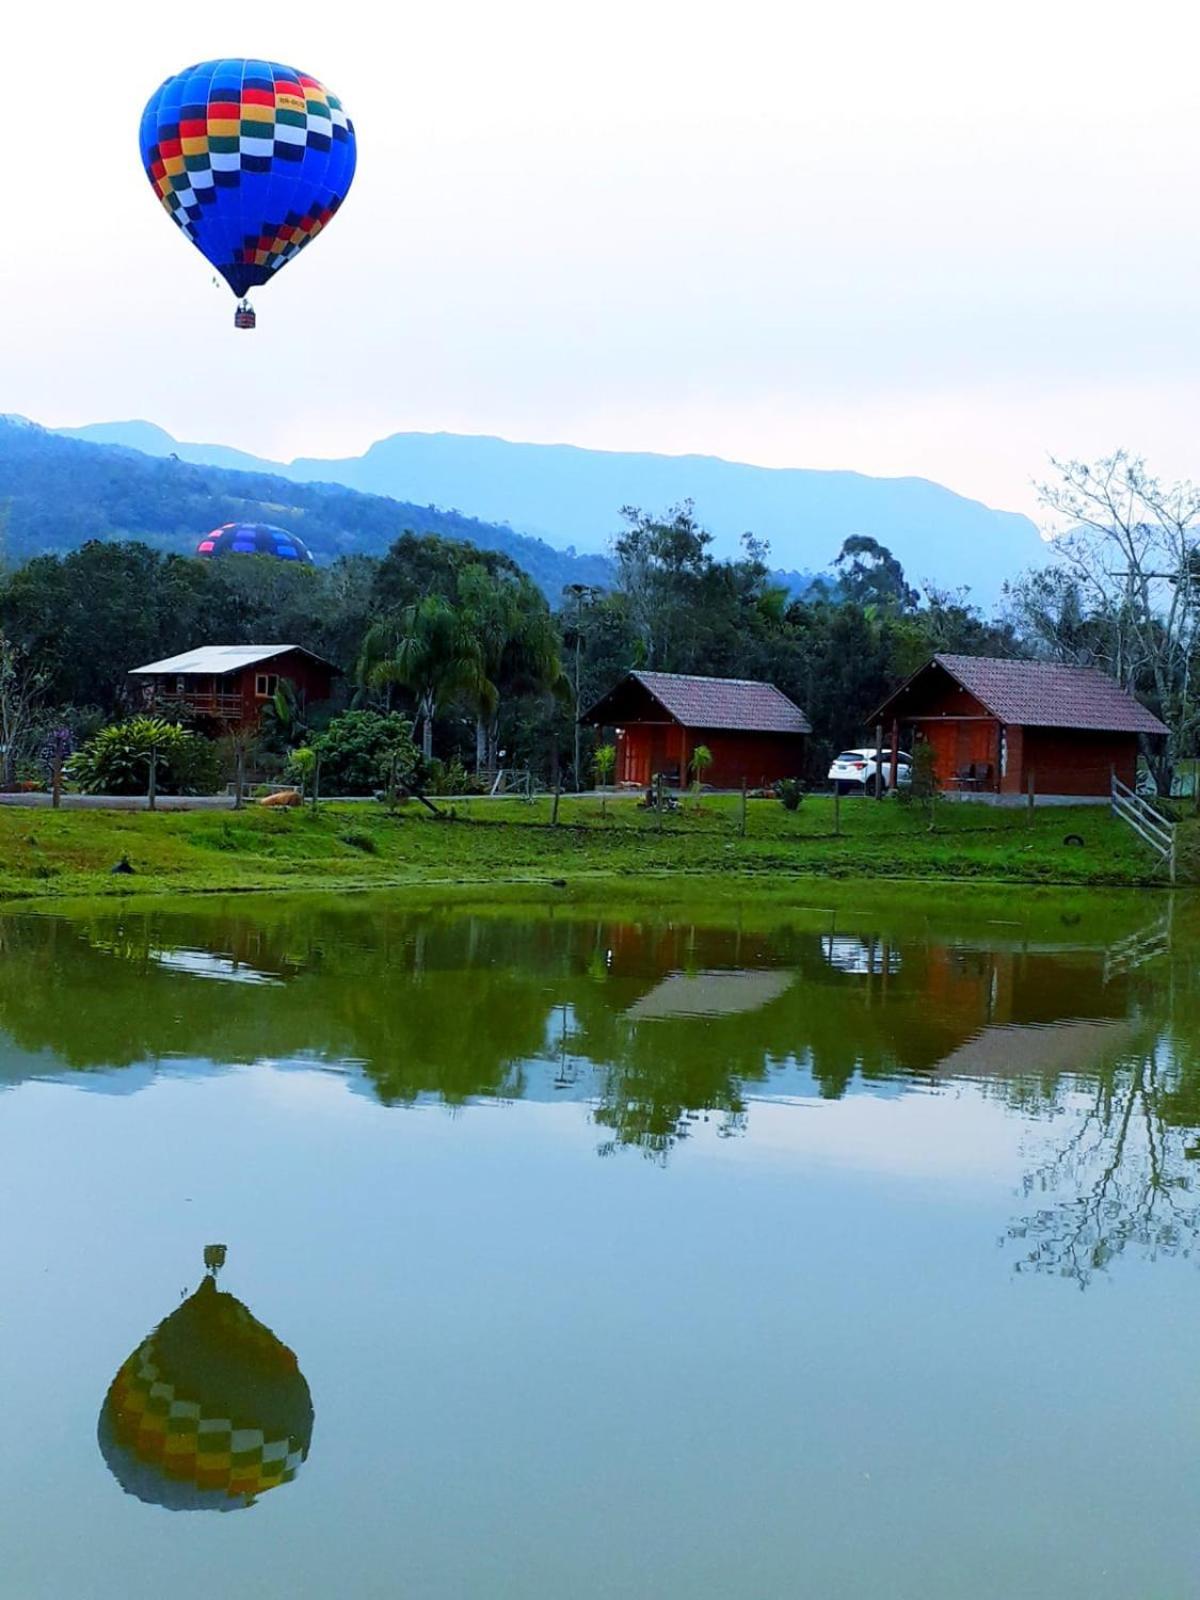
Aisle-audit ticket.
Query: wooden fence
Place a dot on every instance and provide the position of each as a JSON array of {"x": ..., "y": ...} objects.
[{"x": 1153, "y": 829}]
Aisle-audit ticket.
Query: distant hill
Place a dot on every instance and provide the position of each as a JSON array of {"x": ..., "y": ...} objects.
[
  {"x": 570, "y": 496},
  {"x": 56, "y": 493}
]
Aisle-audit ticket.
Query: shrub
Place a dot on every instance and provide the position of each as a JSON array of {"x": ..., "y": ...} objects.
[
  {"x": 604, "y": 759},
  {"x": 358, "y": 749},
  {"x": 789, "y": 793},
  {"x": 117, "y": 759},
  {"x": 450, "y": 777}
]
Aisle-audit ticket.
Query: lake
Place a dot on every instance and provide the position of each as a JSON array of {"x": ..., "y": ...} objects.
[{"x": 838, "y": 1249}]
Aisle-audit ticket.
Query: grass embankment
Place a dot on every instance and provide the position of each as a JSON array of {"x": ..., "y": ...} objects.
[{"x": 71, "y": 853}]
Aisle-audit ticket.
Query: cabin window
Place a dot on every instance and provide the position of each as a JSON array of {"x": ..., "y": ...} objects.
[
  {"x": 265, "y": 684},
  {"x": 180, "y": 685}
]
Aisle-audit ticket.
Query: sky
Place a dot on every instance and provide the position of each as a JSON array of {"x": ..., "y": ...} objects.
[{"x": 927, "y": 239}]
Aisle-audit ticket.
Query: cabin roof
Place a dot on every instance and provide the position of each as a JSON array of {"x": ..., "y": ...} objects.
[
  {"x": 1043, "y": 694},
  {"x": 740, "y": 705},
  {"x": 217, "y": 660}
]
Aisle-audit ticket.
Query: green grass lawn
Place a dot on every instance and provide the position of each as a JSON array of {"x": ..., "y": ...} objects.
[{"x": 70, "y": 853}]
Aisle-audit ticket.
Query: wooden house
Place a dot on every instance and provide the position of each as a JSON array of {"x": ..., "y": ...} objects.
[
  {"x": 755, "y": 733},
  {"x": 1005, "y": 727},
  {"x": 229, "y": 685}
]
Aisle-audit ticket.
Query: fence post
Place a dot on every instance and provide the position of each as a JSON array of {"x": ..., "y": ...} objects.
[
  {"x": 743, "y": 808},
  {"x": 879, "y": 761},
  {"x": 658, "y": 798},
  {"x": 554, "y": 807},
  {"x": 152, "y": 786},
  {"x": 837, "y": 810},
  {"x": 1030, "y": 792}
]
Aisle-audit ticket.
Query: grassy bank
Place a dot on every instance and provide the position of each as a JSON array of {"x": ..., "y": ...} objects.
[{"x": 71, "y": 853}]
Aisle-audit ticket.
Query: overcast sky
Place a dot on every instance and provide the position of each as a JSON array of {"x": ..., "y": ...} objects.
[{"x": 941, "y": 239}]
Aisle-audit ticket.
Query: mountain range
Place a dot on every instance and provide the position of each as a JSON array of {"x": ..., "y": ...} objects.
[{"x": 570, "y": 499}]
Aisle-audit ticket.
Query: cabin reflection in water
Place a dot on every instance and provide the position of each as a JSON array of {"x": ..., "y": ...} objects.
[{"x": 210, "y": 1411}]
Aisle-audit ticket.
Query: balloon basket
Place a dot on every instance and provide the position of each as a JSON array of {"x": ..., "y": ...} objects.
[{"x": 244, "y": 316}]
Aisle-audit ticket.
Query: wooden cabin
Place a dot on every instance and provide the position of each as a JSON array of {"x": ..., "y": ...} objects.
[
  {"x": 1004, "y": 727},
  {"x": 755, "y": 733},
  {"x": 230, "y": 685}
]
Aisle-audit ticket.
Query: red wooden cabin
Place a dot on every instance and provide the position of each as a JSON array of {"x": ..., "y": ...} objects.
[
  {"x": 1000, "y": 727},
  {"x": 755, "y": 733},
  {"x": 231, "y": 684}
]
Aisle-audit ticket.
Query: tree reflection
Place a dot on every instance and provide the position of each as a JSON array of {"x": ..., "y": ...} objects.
[
  {"x": 663, "y": 1026},
  {"x": 1122, "y": 1180}
]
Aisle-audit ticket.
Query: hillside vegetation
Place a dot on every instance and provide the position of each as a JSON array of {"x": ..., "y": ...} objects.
[{"x": 57, "y": 493}]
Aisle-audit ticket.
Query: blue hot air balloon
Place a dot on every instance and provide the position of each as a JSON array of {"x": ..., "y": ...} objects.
[{"x": 251, "y": 159}]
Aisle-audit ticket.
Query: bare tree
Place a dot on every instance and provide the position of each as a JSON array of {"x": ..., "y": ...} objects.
[
  {"x": 21, "y": 689},
  {"x": 1123, "y": 1180},
  {"x": 1129, "y": 543}
]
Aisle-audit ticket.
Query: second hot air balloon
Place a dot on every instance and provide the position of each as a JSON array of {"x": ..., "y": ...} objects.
[{"x": 252, "y": 159}]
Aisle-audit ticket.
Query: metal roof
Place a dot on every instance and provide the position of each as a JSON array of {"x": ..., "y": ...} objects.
[
  {"x": 734, "y": 704},
  {"x": 215, "y": 660},
  {"x": 1042, "y": 694}
]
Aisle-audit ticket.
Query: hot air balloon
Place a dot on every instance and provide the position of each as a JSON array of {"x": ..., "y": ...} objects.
[
  {"x": 210, "y": 1411},
  {"x": 251, "y": 159},
  {"x": 253, "y": 539}
]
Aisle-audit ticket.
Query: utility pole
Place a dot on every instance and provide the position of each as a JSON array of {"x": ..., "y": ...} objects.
[{"x": 584, "y": 593}]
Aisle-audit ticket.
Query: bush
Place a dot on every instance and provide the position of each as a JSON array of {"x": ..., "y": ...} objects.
[
  {"x": 117, "y": 759},
  {"x": 357, "y": 751},
  {"x": 789, "y": 793},
  {"x": 451, "y": 777}
]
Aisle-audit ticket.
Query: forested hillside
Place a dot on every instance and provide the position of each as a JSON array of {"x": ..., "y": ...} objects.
[{"x": 57, "y": 493}]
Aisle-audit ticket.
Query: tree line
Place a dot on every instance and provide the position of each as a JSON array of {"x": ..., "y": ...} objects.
[{"x": 464, "y": 644}]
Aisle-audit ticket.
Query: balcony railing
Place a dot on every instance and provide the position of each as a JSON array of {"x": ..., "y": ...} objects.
[{"x": 202, "y": 703}]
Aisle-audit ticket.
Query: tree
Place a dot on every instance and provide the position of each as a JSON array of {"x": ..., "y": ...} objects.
[
  {"x": 700, "y": 761},
  {"x": 426, "y": 650},
  {"x": 362, "y": 751},
  {"x": 518, "y": 650},
  {"x": 1130, "y": 545},
  {"x": 869, "y": 574},
  {"x": 604, "y": 759},
  {"x": 21, "y": 688}
]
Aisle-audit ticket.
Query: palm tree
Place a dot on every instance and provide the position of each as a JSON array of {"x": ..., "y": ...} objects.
[
  {"x": 425, "y": 649},
  {"x": 518, "y": 648}
]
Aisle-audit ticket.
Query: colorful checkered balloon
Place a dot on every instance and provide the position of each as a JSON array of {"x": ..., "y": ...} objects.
[
  {"x": 251, "y": 158},
  {"x": 253, "y": 539}
]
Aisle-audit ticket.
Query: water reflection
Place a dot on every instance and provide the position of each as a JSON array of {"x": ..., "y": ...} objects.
[
  {"x": 1085, "y": 1021},
  {"x": 210, "y": 1411}
]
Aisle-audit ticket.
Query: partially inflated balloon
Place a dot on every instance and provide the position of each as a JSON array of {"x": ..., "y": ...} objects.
[{"x": 251, "y": 159}]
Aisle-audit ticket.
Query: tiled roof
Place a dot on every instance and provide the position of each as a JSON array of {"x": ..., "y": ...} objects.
[
  {"x": 217, "y": 659},
  {"x": 731, "y": 703},
  {"x": 1040, "y": 694}
]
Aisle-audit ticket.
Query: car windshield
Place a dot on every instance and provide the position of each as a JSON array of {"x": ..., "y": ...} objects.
[{"x": 851, "y": 755}]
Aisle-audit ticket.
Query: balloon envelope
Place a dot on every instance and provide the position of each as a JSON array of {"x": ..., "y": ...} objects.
[
  {"x": 253, "y": 539},
  {"x": 210, "y": 1411},
  {"x": 251, "y": 159}
]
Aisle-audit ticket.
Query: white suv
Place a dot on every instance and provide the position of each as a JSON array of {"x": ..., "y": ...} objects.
[{"x": 855, "y": 769}]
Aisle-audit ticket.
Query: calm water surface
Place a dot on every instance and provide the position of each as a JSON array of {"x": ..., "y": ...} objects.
[{"x": 804, "y": 1252}]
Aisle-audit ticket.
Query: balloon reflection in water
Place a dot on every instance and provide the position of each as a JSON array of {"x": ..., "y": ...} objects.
[{"x": 210, "y": 1411}]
